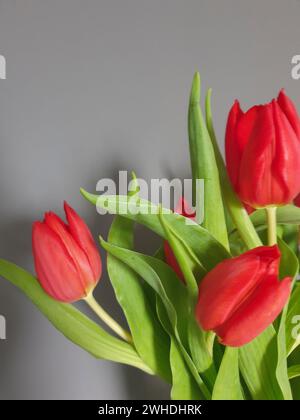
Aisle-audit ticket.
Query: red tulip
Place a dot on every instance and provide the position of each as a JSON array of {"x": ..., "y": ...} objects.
[
  {"x": 183, "y": 209},
  {"x": 241, "y": 296},
  {"x": 263, "y": 152},
  {"x": 66, "y": 259},
  {"x": 297, "y": 201}
]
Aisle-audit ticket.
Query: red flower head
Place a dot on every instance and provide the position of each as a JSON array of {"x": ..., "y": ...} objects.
[
  {"x": 66, "y": 259},
  {"x": 263, "y": 152},
  {"x": 241, "y": 296}
]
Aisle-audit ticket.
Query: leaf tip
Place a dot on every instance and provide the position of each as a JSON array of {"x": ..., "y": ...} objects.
[
  {"x": 102, "y": 241},
  {"x": 92, "y": 198},
  {"x": 196, "y": 89}
]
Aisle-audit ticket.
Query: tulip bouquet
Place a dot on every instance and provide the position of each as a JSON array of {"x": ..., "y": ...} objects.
[{"x": 215, "y": 311}]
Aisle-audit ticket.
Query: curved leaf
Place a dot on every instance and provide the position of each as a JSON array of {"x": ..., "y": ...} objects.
[
  {"x": 294, "y": 371},
  {"x": 207, "y": 249},
  {"x": 184, "y": 386},
  {"x": 258, "y": 363},
  {"x": 200, "y": 346},
  {"x": 201, "y": 352},
  {"x": 204, "y": 167},
  {"x": 150, "y": 340},
  {"x": 285, "y": 215},
  {"x": 227, "y": 385},
  {"x": 172, "y": 293},
  {"x": 71, "y": 322},
  {"x": 293, "y": 321},
  {"x": 187, "y": 260},
  {"x": 288, "y": 267}
]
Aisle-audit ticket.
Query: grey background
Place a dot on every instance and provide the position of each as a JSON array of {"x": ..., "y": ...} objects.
[{"x": 97, "y": 86}]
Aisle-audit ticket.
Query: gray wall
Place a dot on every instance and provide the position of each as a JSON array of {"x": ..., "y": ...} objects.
[{"x": 97, "y": 86}]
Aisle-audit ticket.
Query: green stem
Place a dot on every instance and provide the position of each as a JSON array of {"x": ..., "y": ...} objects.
[
  {"x": 271, "y": 222},
  {"x": 106, "y": 318}
]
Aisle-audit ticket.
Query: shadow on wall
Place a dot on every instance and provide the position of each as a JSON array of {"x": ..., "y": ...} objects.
[
  {"x": 15, "y": 245},
  {"x": 141, "y": 386}
]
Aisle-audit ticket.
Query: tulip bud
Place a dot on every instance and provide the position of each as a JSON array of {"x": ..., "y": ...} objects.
[
  {"x": 263, "y": 152},
  {"x": 66, "y": 259},
  {"x": 183, "y": 209},
  {"x": 241, "y": 296}
]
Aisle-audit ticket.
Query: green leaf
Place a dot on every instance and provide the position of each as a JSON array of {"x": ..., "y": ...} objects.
[
  {"x": 207, "y": 249},
  {"x": 288, "y": 267},
  {"x": 294, "y": 371},
  {"x": 290, "y": 234},
  {"x": 187, "y": 260},
  {"x": 294, "y": 359},
  {"x": 287, "y": 232},
  {"x": 234, "y": 206},
  {"x": 258, "y": 363},
  {"x": 71, "y": 322},
  {"x": 204, "y": 167},
  {"x": 201, "y": 349},
  {"x": 227, "y": 385},
  {"x": 132, "y": 293},
  {"x": 293, "y": 321},
  {"x": 172, "y": 293},
  {"x": 285, "y": 215},
  {"x": 184, "y": 386}
]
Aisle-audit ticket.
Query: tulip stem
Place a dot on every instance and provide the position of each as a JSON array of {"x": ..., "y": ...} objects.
[
  {"x": 271, "y": 222},
  {"x": 107, "y": 319}
]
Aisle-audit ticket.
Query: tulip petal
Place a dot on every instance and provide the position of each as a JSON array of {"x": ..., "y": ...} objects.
[
  {"x": 80, "y": 260},
  {"x": 289, "y": 109},
  {"x": 84, "y": 239},
  {"x": 271, "y": 158},
  {"x": 54, "y": 267},
  {"x": 223, "y": 288},
  {"x": 230, "y": 283},
  {"x": 269, "y": 257},
  {"x": 184, "y": 209},
  {"x": 257, "y": 312},
  {"x": 287, "y": 155},
  {"x": 234, "y": 146}
]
